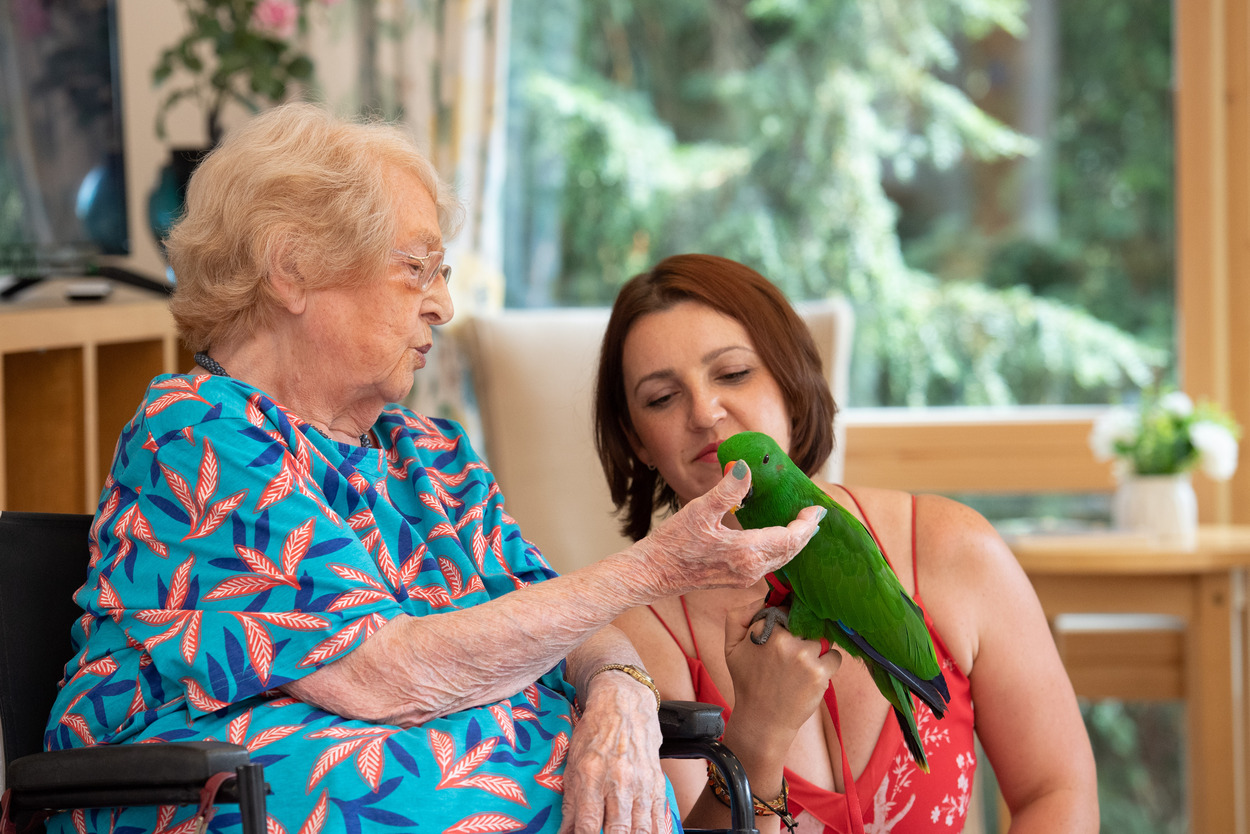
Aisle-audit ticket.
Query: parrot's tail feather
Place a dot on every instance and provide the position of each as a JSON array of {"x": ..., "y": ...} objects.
[
  {"x": 900, "y": 699},
  {"x": 933, "y": 692},
  {"x": 912, "y": 736},
  {"x": 935, "y": 695}
]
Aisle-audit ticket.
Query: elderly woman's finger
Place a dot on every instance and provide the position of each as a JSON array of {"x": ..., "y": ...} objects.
[
  {"x": 618, "y": 817},
  {"x": 583, "y": 814},
  {"x": 732, "y": 487}
]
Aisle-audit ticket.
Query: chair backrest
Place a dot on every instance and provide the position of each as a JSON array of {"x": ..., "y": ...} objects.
[
  {"x": 534, "y": 375},
  {"x": 43, "y": 561}
]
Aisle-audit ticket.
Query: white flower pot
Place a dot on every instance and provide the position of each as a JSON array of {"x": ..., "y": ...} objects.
[{"x": 1159, "y": 506}]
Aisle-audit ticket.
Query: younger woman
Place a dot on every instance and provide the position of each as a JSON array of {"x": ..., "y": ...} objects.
[{"x": 701, "y": 348}]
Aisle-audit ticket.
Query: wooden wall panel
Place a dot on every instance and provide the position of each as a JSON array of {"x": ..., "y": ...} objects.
[{"x": 969, "y": 450}]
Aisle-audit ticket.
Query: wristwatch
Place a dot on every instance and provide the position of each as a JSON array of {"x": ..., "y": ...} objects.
[{"x": 634, "y": 672}]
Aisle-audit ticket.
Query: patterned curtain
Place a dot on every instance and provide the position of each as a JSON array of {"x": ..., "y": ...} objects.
[{"x": 441, "y": 67}]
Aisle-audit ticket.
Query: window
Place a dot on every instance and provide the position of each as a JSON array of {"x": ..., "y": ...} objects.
[
  {"x": 986, "y": 189},
  {"x": 839, "y": 148}
]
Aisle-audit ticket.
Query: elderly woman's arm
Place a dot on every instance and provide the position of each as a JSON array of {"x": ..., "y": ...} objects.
[{"x": 418, "y": 668}]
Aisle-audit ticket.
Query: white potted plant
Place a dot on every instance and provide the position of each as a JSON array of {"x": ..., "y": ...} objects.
[{"x": 1155, "y": 447}]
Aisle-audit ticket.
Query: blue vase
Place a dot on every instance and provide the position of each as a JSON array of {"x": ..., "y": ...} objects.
[{"x": 165, "y": 203}]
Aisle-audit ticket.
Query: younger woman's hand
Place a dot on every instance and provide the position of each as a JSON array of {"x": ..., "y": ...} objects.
[{"x": 777, "y": 686}]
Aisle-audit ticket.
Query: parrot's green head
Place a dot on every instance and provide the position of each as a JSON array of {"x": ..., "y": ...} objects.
[{"x": 770, "y": 466}]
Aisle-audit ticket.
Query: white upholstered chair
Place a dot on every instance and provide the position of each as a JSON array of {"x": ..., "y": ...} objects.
[{"x": 534, "y": 375}]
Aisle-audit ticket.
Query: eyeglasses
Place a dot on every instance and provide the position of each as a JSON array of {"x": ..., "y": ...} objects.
[{"x": 426, "y": 267}]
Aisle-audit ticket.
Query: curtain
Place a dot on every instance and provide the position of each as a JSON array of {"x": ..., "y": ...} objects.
[{"x": 440, "y": 66}]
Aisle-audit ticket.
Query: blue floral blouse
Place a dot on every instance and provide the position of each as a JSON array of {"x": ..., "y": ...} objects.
[{"x": 235, "y": 549}]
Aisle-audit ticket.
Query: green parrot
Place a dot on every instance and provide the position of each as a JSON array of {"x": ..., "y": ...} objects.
[{"x": 840, "y": 586}]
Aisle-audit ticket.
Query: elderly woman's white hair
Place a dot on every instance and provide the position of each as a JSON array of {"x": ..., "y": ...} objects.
[{"x": 297, "y": 187}]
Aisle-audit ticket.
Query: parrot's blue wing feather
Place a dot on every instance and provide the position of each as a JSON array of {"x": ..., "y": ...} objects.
[{"x": 933, "y": 692}]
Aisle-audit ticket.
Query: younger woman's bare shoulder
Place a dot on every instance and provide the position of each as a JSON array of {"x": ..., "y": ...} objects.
[
  {"x": 965, "y": 570},
  {"x": 886, "y": 508},
  {"x": 947, "y": 528},
  {"x": 962, "y": 554}
]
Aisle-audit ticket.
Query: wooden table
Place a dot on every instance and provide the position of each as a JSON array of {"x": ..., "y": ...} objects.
[{"x": 1204, "y": 589}]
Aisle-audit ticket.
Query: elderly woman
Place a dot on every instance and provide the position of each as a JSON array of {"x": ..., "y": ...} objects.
[
  {"x": 701, "y": 348},
  {"x": 284, "y": 558}
]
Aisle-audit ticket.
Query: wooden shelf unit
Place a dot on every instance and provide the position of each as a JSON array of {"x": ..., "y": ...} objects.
[{"x": 71, "y": 375}]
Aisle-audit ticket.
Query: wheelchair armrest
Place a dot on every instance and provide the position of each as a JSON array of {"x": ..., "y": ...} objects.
[
  {"x": 690, "y": 720},
  {"x": 692, "y": 730},
  {"x": 123, "y": 774}
]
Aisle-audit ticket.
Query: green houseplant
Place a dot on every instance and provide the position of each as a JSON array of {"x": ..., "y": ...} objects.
[
  {"x": 1155, "y": 447},
  {"x": 242, "y": 51},
  {"x": 1167, "y": 434},
  {"x": 245, "y": 51}
]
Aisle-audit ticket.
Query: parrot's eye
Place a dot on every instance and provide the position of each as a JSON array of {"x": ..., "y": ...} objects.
[{"x": 765, "y": 461}]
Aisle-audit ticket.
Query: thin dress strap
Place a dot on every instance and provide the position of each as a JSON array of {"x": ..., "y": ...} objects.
[
  {"x": 915, "y": 569},
  {"x": 868, "y": 523},
  {"x": 689, "y": 627}
]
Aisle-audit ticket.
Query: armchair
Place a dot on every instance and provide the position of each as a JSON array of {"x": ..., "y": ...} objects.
[{"x": 534, "y": 376}]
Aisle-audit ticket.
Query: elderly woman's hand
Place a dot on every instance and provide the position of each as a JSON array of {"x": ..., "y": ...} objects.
[
  {"x": 612, "y": 780},
  {"x": 694, "y": 549}
]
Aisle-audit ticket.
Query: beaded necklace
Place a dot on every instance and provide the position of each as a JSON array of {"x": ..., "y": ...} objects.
[{"x": 214, "y": 367}]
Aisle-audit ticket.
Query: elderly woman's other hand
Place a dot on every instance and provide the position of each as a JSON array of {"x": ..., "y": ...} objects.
[
  {"x": 695, "y": 549},
  {"x": 612, "y": 781}
]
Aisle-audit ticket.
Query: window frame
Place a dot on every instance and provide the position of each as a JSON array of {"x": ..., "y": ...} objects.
[{"x": 1043, "y": 449}]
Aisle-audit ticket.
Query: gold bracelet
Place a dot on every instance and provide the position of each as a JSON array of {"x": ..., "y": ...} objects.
[
  {"x": 779, "y": 807},
  {"x": 634, "y": 672}
]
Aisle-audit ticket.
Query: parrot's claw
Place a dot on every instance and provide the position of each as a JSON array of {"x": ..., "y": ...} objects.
[{"x": 772, "y": 617}]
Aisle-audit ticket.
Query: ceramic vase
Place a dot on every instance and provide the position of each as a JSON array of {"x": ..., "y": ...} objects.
[
  {"x": 165, "y": 202},
  {"x": 1163, "y": 507}
]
